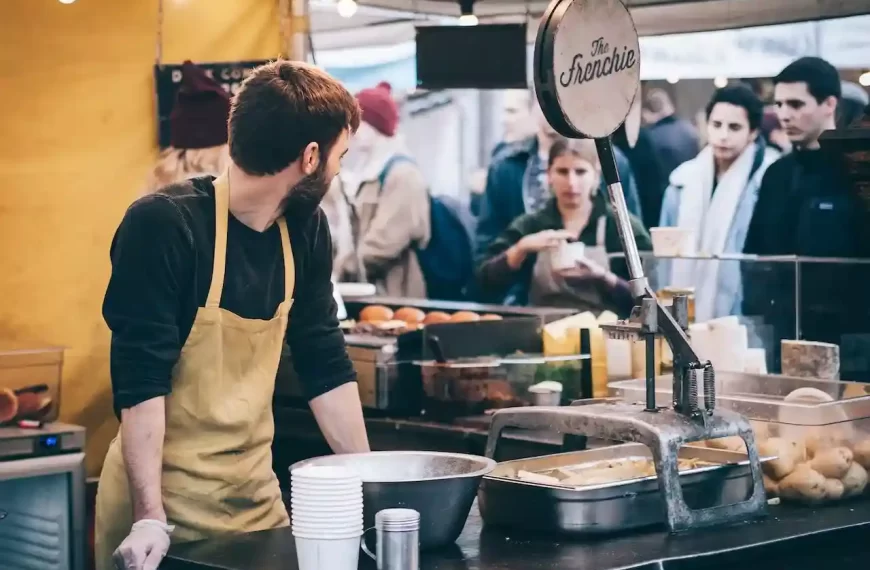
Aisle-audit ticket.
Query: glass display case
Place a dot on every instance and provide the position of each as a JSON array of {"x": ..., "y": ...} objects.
[
  {"x": 777, "y": 298},
  {"x": 819, "y": 431}
]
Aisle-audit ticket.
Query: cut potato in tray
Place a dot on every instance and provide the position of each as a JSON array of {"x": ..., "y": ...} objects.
[{"x": 602, "y": 472}]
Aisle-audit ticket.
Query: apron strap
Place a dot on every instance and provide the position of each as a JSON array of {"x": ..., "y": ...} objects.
[
  {"x": 289, "y": 263},
  {"x": 222, "y": 214},
  {"x": 601, "y": 231}
]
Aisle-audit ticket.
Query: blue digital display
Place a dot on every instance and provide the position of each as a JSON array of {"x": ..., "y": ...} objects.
[{"x": 48, "y": 441}]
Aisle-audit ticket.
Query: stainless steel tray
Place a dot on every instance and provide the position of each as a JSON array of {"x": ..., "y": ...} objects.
[{"x": 596, "y": 509}]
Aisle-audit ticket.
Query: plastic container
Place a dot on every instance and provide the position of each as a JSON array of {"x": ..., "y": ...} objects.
[
  {"x": 818, "y": 429},
  {"x": 30, "y": 381},
  {"x": 472, "y": 386}
]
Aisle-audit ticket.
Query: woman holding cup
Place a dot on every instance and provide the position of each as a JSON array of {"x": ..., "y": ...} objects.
[{"x": 558, "y": 256}]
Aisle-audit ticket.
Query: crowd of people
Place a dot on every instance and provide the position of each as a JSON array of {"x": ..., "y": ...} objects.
[{"x": 752, "y": 180}]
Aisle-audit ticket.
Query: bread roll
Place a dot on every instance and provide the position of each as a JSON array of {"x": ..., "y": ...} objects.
[
  {"x": 490, "y": 317},
  {"x": 436, "y": 317},
  {"x": 410, "y": 315},
  {"x": 464, "y": 317},
  {"x": 376, "y": 314}
]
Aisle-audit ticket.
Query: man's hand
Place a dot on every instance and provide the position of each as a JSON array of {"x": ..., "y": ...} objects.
[
  {"x": 339, "y": 416},
  {"x": 145, "y": 546}
]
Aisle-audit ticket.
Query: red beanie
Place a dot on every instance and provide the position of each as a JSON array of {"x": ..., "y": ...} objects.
[
  {"x": 379, "y": 109},
  {"x": 202, "y": 107}
]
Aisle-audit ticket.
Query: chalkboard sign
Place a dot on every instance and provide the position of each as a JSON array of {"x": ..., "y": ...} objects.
[{"x": 167, "y": 79}]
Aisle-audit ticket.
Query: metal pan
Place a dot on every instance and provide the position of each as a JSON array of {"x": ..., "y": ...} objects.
[{"x": 506, "y": 501}]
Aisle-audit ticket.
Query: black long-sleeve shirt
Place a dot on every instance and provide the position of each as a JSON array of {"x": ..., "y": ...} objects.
[{"x": 162, "y": 259}]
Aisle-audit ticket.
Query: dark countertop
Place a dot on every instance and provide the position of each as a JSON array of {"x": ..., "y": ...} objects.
[{"x": 791, "y": 537}]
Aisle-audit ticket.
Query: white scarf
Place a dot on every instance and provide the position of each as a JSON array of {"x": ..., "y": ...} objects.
[{"x": 709, "y": 216}]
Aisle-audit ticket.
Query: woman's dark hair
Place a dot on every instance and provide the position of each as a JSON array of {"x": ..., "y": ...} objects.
[
  {"x": 740, "y": 96},
  {"x": 821, "y": 77}
]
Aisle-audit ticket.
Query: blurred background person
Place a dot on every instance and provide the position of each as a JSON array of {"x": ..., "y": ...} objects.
[
  {"x": 773, "y": 133},
  {"x": 675, "y": 139},
  {"x": 853, "y": 104},
  {"x": 713, "y": 196},
  {"x": 806, "y": 207},
  {"x": 519, "y": 259},
  {"x": 647, "y": 169},
  {"x": 198, "y": 131},
  {"x": 390, "y": 204},
  {"x": 516, "y": 184}
]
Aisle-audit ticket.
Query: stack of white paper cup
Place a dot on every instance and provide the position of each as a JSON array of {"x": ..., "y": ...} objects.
[{"x": 327, "y": 517}]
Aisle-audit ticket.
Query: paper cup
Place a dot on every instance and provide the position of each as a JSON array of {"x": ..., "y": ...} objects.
[
  {"x": 324, "y": 506},
  {"x": 313, "y": 515},
  {"x": 336, "y": 531},
  {"x": 567, "y": 255},
  {"x": 329, "y": 527},
  {"x": 340, "y": 553},
  {"x": 326, "y": 496},
  {"x": 671, "y": 242},
  {"x": 312, "y": 501},
  {"x": 323, "y": 473}
]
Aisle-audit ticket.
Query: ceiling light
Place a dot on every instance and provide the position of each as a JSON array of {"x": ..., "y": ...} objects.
[
  {"x": 66, "y": 1},
  {"x": 346, "y": 8},
  {"x": 467, "y": 17},
  {"x": 720, "y": 82},
  {"x": 672, "y": 79},
  {"x": 865, "y": 79}
]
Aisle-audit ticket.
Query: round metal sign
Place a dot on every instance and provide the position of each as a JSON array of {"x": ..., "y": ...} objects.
[{"x": 587, "y": 66}]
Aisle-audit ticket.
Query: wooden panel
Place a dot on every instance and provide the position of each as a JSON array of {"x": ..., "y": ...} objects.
[{"x": 77, "y": 101}]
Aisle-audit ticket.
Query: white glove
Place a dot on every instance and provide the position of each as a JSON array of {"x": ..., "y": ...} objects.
[{"x": 145, "y": 546}]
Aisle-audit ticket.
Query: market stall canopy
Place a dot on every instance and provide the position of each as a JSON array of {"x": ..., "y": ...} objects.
[{"x": 382, "y": 22}]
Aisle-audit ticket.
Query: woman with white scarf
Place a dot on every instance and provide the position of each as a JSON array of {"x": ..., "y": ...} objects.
[{"x": 714, "y": 196}]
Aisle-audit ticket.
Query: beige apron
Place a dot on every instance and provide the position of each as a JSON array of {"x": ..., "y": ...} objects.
[
  {"x": 217, "y": 457},
  {"x": 549, "y": 289}
]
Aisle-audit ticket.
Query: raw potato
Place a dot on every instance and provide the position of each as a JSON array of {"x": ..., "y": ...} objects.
[
  {"x": 786, "y": 454},
  {"x": 855, "y": 480},
  {"x": 730, "y": 443},
  {"x": 862, "y": 453},
  {"x": 834, "y": 489},
  {"x": 761, "y": 430},
  {"x": 820, "y": 439},
  {"x": 804, "y": 484},
  {"x": 832, "y": 463},
  {"x": 770, "y": 486}
]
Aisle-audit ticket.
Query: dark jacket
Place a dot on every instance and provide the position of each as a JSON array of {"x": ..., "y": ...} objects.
[
  {"x": 647, "y": 169},
  {"x": 503, "y": 202},
  {"x": 496, "y": 280},
  {"x": 807, "y": 207},
  {"x": 676, "y": 141}
]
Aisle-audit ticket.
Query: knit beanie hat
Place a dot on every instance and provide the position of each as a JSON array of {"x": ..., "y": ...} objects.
[
  {"x": 379, "y": 109},
  {"x": 202, "y": 107}
]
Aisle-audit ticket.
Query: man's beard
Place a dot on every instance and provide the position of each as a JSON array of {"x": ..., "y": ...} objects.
[{"x": 305, "y": 196}]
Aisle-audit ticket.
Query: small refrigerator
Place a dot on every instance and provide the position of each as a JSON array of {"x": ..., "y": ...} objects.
[{"x": 42, "y": 498}]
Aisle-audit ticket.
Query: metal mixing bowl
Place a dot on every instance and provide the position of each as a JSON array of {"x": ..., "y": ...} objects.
[{"x": 440, "y": 486}]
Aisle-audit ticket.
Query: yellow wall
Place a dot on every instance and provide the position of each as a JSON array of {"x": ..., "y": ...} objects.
[{"x": 77, "y": 140}]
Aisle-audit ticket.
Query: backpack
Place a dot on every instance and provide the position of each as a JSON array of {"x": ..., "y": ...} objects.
[{"x": 446, "y": 262}]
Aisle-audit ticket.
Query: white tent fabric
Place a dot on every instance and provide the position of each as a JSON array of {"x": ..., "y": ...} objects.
[
  {"x": 749, "y": 52},
  {"x": 389, "y": 22}
]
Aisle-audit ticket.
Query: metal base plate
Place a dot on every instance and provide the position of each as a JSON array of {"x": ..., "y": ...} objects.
[{"x": 664, "y": 432}]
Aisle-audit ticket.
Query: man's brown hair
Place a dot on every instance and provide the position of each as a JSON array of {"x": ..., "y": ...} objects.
[{"x": 281, "y": 108}]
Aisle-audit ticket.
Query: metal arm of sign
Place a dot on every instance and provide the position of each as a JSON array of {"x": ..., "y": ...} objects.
[{"x": 663, "y": 322}]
